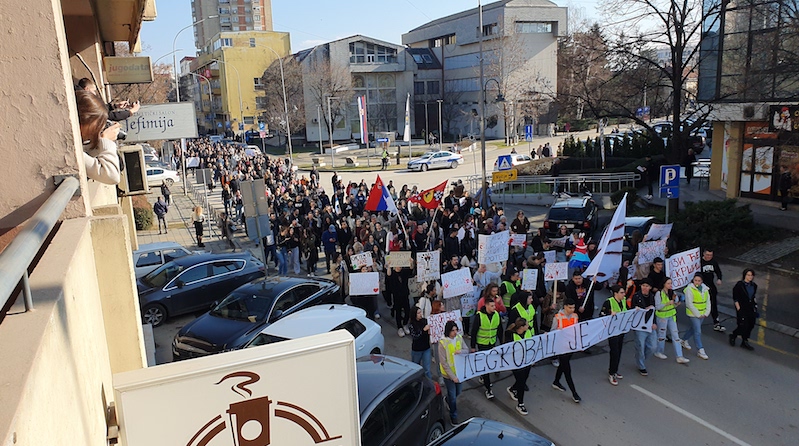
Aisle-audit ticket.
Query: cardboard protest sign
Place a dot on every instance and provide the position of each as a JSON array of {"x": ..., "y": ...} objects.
[
  {"x": 529, "y": 279},
  {"x": 360, "y": 260},
  {"x": 558, "y": 242},
  {"x": 647, "y": 251},
  {"x": 556, "y": 271},
  {"x": 493, "y": 248},
  {"x": 469, "y": 302},
  {"x": 658, "y": 232},
  {"x": 364, "y": 284},
  {"x": 401, "y": 259},
  {"x": 550, "y": 256},
  {"x": 438, "y": 321},
  {"x": 682, "y": 267},
  {"x": 457, "y": 283},
  {"x": 518, "y": 239},
  {"x": 428, "y": 266}
]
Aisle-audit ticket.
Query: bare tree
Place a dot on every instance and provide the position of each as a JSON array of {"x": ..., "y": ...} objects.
[
  {"x": 274, "y": 107},
  {"x": 325, "y": 79},
  {"x": 450, "y": 108}
]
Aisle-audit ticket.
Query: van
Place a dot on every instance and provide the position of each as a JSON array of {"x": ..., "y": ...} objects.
[{"x": 216, "y": 138}]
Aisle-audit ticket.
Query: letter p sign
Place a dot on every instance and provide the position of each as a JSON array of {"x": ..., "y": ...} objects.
[{"x": 670, "y": 181}]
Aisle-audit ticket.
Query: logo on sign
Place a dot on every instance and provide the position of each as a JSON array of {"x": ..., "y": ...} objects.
[{"x": 249, "y": 422}]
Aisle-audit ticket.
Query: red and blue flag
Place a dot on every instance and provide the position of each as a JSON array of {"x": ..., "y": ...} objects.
[{"x": 380, "y": 199}]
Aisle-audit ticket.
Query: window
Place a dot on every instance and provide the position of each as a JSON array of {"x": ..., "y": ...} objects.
[
  {"x": 375, "y": 428},
  {"x": 443, "y": 40},
  {"x": 224, "y": 42},
  {"x": 149, "y": 259},
  {"x": 362, "y": 52},
  {"x": 418, "y": 58},
  {"x": 353, "y": 326},
  {"x": 427, "y": 58},
  {"x": 227, "y": 266},
  {"x": 260, "y": 102},
  {"x": 490, "y": 30},
  {"x": 418, "y": 88},
  {"x": 533, "y": 27},
  {"x": 433, "y": 87},
  {"x": 252, "y": 42},
  {"x": 224, "y": 20},
  {"x": 402, "y": 402},
  {"x": 172, "y": 254},
  {"x": 192, "y": 275},
  {"x": 256, "y": 81},
  {"x": 224, "y": 10},
  {"x": 249, "y": 120},
  {"x": 305, "y": 291}
]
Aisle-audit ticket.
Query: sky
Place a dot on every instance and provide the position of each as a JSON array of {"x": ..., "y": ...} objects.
[{"x": 312, "y": 22}]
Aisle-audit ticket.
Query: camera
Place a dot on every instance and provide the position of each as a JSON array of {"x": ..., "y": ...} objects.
[{"x": 121, "y": 135}]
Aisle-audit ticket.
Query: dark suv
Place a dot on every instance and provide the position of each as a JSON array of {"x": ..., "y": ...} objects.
[{"x": 576, "y": 213}]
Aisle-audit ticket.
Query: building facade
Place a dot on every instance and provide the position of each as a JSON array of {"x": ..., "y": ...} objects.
[
  {"x": 228, "y": 15},
  {"x": 520, "y": 64},
  {"x": 749, "y": 79}
]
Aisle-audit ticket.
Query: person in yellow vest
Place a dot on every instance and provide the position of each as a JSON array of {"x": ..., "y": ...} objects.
[
  {"x": 510, "y": 285},
  {"x": 697, "y": 307},
  {"x": 451, "y": 345},
  {"x": 565, "y": 319},
  {"x": 521, "y": 330},
  {"x": 521, "y": 307},
  {"x": 616, "y": 303},
  {"x": 666, "y": 305},
  {"x": 484, "y": 336}
]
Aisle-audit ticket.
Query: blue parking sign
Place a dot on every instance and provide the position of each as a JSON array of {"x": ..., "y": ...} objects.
[{"x": 670, "y": 181}]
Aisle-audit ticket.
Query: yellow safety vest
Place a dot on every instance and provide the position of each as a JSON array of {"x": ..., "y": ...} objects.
[
  {"x": 614, "y": 306},
  {"x": 510, "y": 287},
  {"x": 487, "y": 331},
  {"x": 667, "y": 311},
  {"x": 451, "y": 347},
  {"x": 528, "y": 314},
  {"x": 527, "y": 335},
  {"x": 698, "y": 298}
]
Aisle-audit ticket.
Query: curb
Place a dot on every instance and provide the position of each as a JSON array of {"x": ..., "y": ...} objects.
[{"x": 774, "y": 326}]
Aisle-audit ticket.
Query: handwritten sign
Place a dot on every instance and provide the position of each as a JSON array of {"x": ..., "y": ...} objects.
[
  {"x": 556, "y": 271},
  {"x": 658, "y": 232},
  {"x": 401, "y": 259},
  {"x": 529, "y": 279},
  {"x": 438, "y": 321},
  {"x": 647, "y": 251},
  {"x": 682, "y": 267},
  {"x": 518, "y": 239},
  {"x": 457, "y": 283},
  {"x": 493, "y": 248},
  {"x": 364, "y": 284},
  {"x": 469, "y": 302},
  {"x": 550, "y": 256},
  {"x": 558, "y": 242},
  {"x": 428, "y": 266},
  {"x": 360, "y": 260}
]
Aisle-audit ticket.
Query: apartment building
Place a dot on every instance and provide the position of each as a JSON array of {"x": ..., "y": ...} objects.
[{"x": 229, "y": 15}]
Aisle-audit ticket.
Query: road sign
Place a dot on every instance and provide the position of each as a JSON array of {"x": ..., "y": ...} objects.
[
  {"x": 507, "y": 175},
  {"x": 261, "y": 126},
  {"x": 504, "y": 162},
  {"x": 241, "y": 126},
  {"x": 670, "y": 181},
  {"x": 528, "y": 133},
  {"x": 262, "y": 134},
  {"x": 382, "y": 140}
]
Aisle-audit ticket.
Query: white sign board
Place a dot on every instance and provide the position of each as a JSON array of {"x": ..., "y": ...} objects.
[
  {"x": 428, "y": 266},
  {"x": 550, "y": 256},
  {"x": 457, "y": 283},
  {"x": 682, "y": 267},
  {"x": 400, "y": 259},
  {"x": 529, "y": 279},
  {"x": 518, "y": 239},
  {"x": 469, "y": 302},
  {"x": 364, "y": 284},
  {"x": 647, "y": 251},
  {"x": 658, "y": 232},
  {"x": 558, "y": 242},
  {"x": 438, "y": 321},
  {"x": 245, "y": 397},
  {"x": 556, "y": 271},
  {"x": 493, "y": 248},
  {"x": 361, "y": 260},
  {"x": 173, "y": 120}
]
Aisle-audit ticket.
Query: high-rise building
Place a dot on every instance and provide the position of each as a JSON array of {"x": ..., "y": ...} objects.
[{"x": 231, "y": 15}]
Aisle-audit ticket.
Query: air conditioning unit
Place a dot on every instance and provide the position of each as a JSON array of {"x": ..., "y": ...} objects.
[
  {"x": 133, "y": 180},
  {"x": 315, "y": 121}
]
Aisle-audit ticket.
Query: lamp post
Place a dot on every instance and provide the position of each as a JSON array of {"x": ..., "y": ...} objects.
[
  {"x": 238, "y": 78},
  {"x": 210, "y": 93},
  {"x": 440, "y": 129},
  {"x": 175, "y": 57},
  {"x": 481, "y": 98},
  {"x": 285, "y": 103},
  {"x": 319, "y": 124},
  {"x": 330, "y": 130}
]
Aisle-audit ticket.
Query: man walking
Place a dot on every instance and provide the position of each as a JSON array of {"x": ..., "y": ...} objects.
[
  {"x": 645, "y": 343},
  {"x": 710, "y": 268},
  {"x": 484, "y": 336},
  {"x": 160, "y": 209}
]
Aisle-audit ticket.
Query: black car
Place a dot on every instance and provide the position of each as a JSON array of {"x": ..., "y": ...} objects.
[
  {"x": 192, "y": 283},
  {"x": 238, "y": 319},
  {"x": 479, "y": 431},
  {"x": 398, "y": 404},
  {"x": 580, "y": 213}
]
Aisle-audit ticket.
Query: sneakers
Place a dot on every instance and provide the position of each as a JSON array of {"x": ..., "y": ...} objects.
[
  {"x": 648, "y": 197},
  {"x": 612, "y": 379},
  {"x": 555, "y": 363},
  {"x": 702, "y": 353},
  {"x": 377, "y": 315},
  {"x": 745, "y": 344},
  {"x": 719, "y": 328},
  {"x": 618, "y": 376},
  {"x": 400, "y": 333},
  {"x": 685, "y": 344},
  {"x": 521, "y": 409},
  {"x": 512, "y": 394},
  {"x": 660, "y": 356},
  {"x": 480, "y": 380},
  {"x": 683, "y": 360},
  {"x": 732, "y": 340},
  {"x": 576, "y": 398},
  {"x": 489, "y": 395},
  {"x": 643, "y": 372},
  {"x": 558, "y": 386},
  {"x": 406, "y": 330}
]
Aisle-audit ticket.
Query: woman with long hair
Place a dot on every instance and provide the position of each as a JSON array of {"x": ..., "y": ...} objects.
[
  {"x": 198, "y": 219},
  {"x": 666, "y": 304},
  {"x": 743, "y": 293},
  {"x": 99, "y": 149}
]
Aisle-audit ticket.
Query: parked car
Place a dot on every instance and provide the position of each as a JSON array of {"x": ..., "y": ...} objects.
[
  {"x": 517, "y": 159},
  {"x": 576, "y": 213},
  {"x": 192, "y": 283},
  {"x": 436, "y": 160},
  {"x": 398, "y": 404},
  {"x": 235, "y": 321},
  {"x": 157, "y": 175},
  {"x": 149, "y": 157},
  {"x": 152, "y": 255},
  {"x": 322, "y": 319},
  {"x": 482, "y": 432}
]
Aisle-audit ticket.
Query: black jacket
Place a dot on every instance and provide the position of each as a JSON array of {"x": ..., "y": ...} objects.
[
  {"x": 739, "y": 294},
  {"x": 643, "y": 301}
]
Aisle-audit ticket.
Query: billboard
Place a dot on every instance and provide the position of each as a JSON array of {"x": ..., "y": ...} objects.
[
  {"x": 173, "y": 120},
  {"x": 784, "y": 118},
  {"x": 128, "y": 70}
]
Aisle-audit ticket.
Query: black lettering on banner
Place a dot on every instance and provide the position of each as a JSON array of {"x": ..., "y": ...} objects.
[
  {"x": 638, "y": 317},
  {"x": 479, "y": 362},
  {"x": 613, "y": 324},
  {"x": 583, "y": 335},
  {"x": 628, "y": 324},
  {"x": 550, "y": 346},
  {"x": 529, "y": 351},
  {"x": 539, "y": 351},
  {"x": 503, "y": 350},
  {"x": 573, "y": 338},
  {"x": 491, "y": 363},
  {"x": 517, "y": 349}
]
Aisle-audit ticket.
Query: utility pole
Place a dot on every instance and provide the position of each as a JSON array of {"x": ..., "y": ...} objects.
[{"x": 484, "y": 196}]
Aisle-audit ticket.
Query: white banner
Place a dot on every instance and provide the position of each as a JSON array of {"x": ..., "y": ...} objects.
[
  {"x": 682, "y": 267},
  {"x": 457, "y": 283},
  {"x": 518, "y": 239},
  {"x": 438, "y": 321},
  {"x": 161, "y": 121},
  {"x": 493, "y": 248},
  {"x": 647, "y": 251},
  {"x": 428, "y": 266},
  {"x": 578, "y": 337},
  {"x": 401, "y": 259},
  {"x": 608, "y": 259},
  {"x": 658, "y": 232},
  {"x": 364, "y": 284},
  {"x": 529, "y": 279},
  {"x": 556, "y": 271},
  {"x": 469, "y": 302},
  {"x": 361, "y": 260}
]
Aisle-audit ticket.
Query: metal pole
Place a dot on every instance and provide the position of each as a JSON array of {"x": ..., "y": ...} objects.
[
  {"x": 330, "y": 132},
  {"x": 175, "y": 57},
  {"x": 426, "y": 124},
  {"x": 257, "y": 220},
  {"x": 319, "y": 124},
  {"x": 286, "y": 109},
  {"x": 484, "y": 197},
  {"x": 440, "y": 127},
  {"x": 183, "y": 162}
]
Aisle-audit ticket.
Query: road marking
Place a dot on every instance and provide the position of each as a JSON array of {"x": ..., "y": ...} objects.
[
  {"x": 685, "y": 413},
  {"x": 761, "y": 334}
]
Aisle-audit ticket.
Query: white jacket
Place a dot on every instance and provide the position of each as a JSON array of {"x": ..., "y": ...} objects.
[{"x": 102, "y": 162}]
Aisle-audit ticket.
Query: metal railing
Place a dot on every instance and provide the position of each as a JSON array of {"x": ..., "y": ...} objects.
[
  {"x": 18, "y": 255},
  {"x": 597, "y": 183}
]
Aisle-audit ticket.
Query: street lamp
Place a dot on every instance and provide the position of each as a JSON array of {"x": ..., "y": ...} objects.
[
  {"x": 167, "y": 54},
  {"x": 440, "y": 131},
  {"x": 175, "y": 57},
  {"x": 285, "y": 103},
  {"x": 238, "y": 78},
  {"x": 210, "y": 93},
  {"x": 330, "y": 130}
]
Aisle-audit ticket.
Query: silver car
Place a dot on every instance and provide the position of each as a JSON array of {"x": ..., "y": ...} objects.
[
  {"x": 436, "y": 160},
  {"x": 152, "y": 255}
]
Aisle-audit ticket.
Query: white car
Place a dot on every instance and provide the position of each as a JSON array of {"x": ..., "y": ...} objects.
[
  {"x": 152, "y": 255},
  {"x": 322, "y": 319},
  {"x": 158, "y": 175},
  {"x": 436, "y": 160},
  {"x": 517, "y": 159}
]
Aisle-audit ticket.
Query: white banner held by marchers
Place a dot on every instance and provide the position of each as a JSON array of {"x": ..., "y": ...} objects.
[
  {"x": 608, "y": 259},
  {"x": 437, "y": 322},
  {"x": 493, "y": 248},
  {"x": 428, "y": 266},
  {"x": 457, "y": 283},
  {"x": 682, "y": 267},
  {"x": 529, "y": 279},
  {"x": 364, "y": 284},
  {"x": 556, "y": 271}
]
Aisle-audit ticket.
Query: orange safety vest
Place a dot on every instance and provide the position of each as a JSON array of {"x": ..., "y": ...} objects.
[{"x": 565, "y": 322}]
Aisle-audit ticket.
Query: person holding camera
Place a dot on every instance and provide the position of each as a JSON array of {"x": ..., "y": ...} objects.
[
  {"x": 99, "y": 147},
  {"x": 118, "y": 110}
]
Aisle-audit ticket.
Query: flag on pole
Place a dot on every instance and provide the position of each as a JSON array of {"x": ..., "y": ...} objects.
[
  {"x": 362, "y": 118},
  {"x": 430, "y": 198},
  {"x": 608, "y": 259},
  {"x": 407, "y": 136},
  {"x": 380, "y": 199}
]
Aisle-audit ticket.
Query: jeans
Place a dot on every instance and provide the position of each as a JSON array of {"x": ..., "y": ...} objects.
[
  {"x": 615, "y": 343},
  {"x": 423, "y": 359},
  {"x": 282, "y": 263},
  {"x": 330, "y": 257},
  {"x": 295, "y": 259},
  {"x": 271, "y": 252},
  {"x": 645, "y": 345},
  {"x": 453, "y": 390},
  {"x": 668, "y": 324},
  {"x": 162, "y": 221},
  {"x": 696, "y": 331}
]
